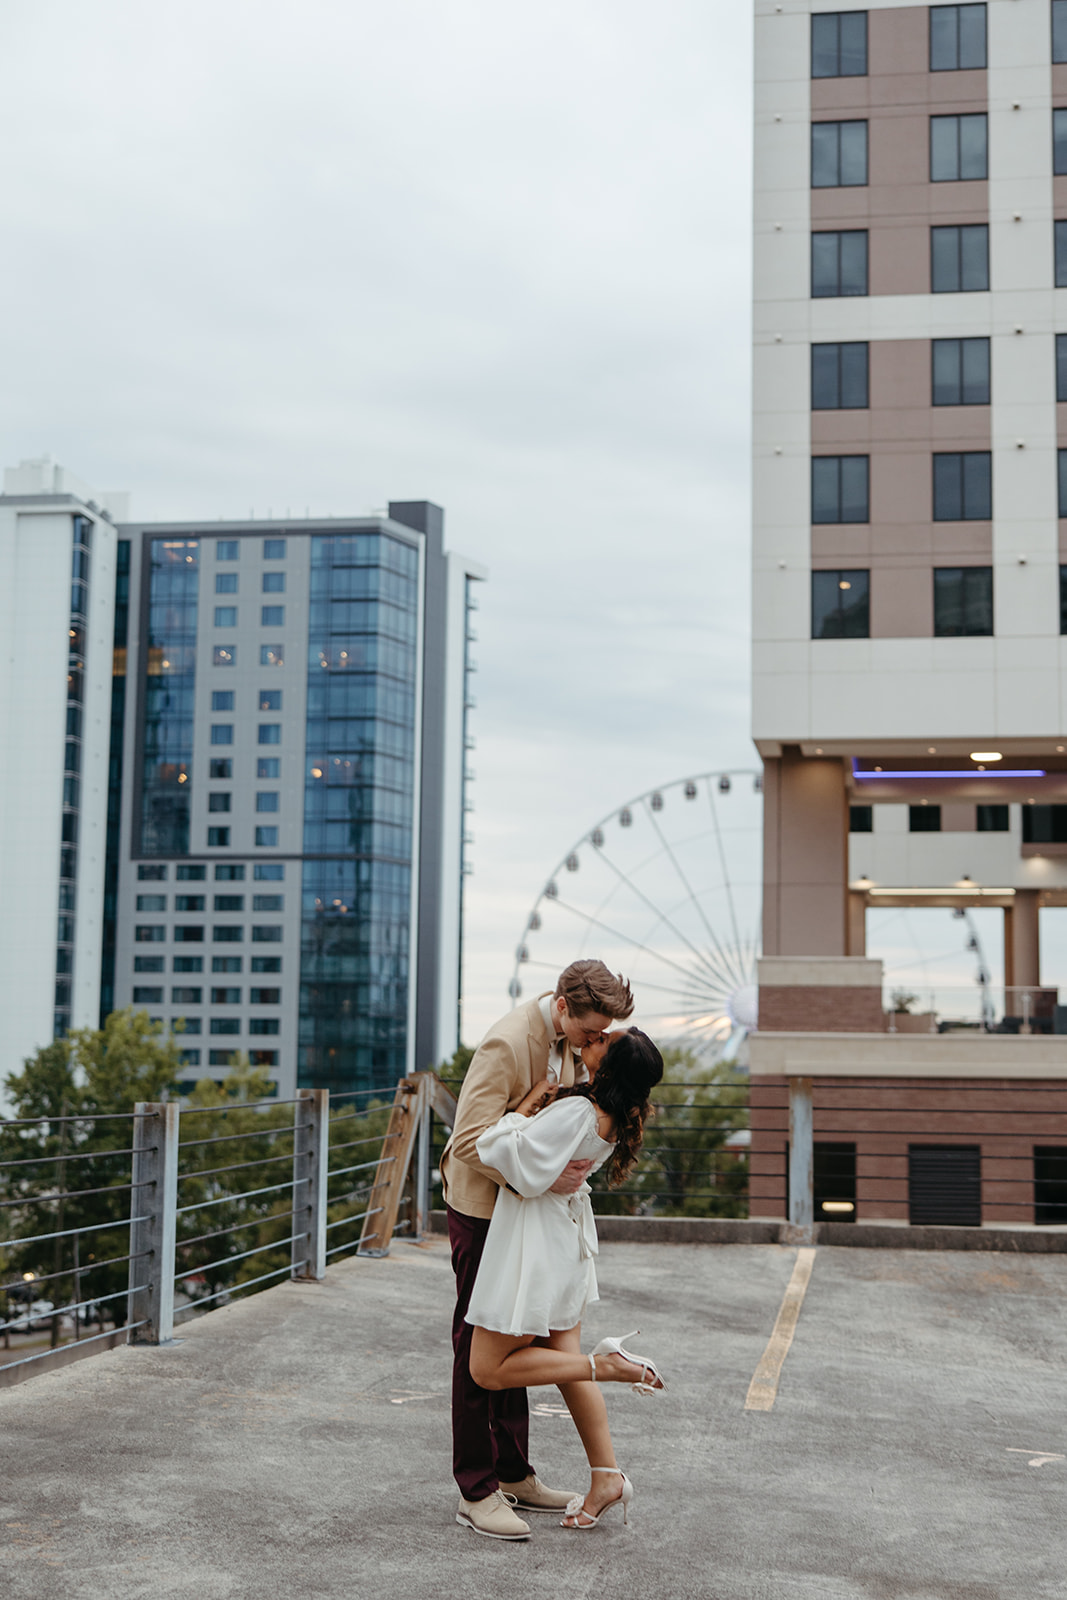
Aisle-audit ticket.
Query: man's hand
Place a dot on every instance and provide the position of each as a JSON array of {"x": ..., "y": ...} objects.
[
  {"x": 572, "y": 1177},
  {"x": 541, "y": 1095}
]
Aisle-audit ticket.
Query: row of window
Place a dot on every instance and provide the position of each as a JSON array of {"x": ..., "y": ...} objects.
[
  {"x": 959, "y": 261},
  {"x": 230, "y": 549},
  {"x": 156, "y": 933},
  {"x": 957, "y": 40},
  {"x": 959, "y": 152},
  {"x": 218, "y": 964},
  {"x": 222, "y": 902},
  {"x": 959, "y": 373},
  {"x": 266, "y": 767},
  {"x": 225, "y": 655},
  {"x": 265, "y": 838},
  {"x": 269, "y": 616},
  {"x": 224, "y": 1058},
  {"x": 184, "y": 995},
  {"x": 256, "y": 1025},
  {"x": 266, "y": 800},
  {"x": 927, "y": 819},
  {"x": 268, "y": 733},
  {"x": 963, "y": 603},
  {"x": 962, "y": 487},
  {"x": 225, "y": 872},
  {"x": 271, "y": 582}
]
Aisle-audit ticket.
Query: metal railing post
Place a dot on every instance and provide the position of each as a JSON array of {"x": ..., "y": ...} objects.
[
  {"x": 801, "y": 1161},
  {"x": 421, "y": 1186},
  {"x": 154, "y": 1200},
  {"x": 311, "y": 1162}
]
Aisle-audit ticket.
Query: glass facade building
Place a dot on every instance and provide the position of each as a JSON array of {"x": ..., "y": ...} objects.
[{"x": 169, "y": 685}]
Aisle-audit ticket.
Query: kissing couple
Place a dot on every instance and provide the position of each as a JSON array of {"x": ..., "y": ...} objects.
[{"x": 550, "y": 1096}]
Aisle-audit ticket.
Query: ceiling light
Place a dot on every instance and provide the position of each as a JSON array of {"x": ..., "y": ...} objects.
[{"x": 985, "y": 755}]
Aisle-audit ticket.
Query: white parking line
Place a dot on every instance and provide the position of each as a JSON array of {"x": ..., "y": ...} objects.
[{"x": 764, "y": 1386}]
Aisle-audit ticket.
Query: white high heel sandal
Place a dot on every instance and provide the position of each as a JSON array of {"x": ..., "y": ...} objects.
[
  {"x": 614, "y": 1347},
  {"x": 576, "y": 1506}
]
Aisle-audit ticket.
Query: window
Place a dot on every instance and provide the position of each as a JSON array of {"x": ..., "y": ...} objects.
[
  {"x": 226, "y": 963},
  {"x": 225, "y": 617},
  {"x": 229, "y": 872},
  {"x": 225, "y": 997},
  {"x": 963, "y": 486},
  {"x": 218, "y": 838},
  {"x": 1061, "y": 468},
  {"x": 1059, "y": 140},
  {"x": 838, "y": 155},
  {"x": 1060, "y": 235},
  {"x": 1050, "y": 1161},
  {"x": 189, "y": 1058},
  {"x": 924, "y": 819},
  {"x": 266, "y": 837},
  {"x": 945, "y": 1181},
  {"x": 991, "y": 819},
  {"x": 266, "y": 964},
  {"x": 189, "y": 934},
  {"x": 1044, "y": 824},
  {"x": 839, "y": 377},
  {"x": 145, "y": 995},
  {"x": 226, "y": 549},
  {"x": 272, "y": 655},
  {"x": 191, "y": 872},
  {"x": 149, "y": 872},
  {"x": 218, "y": 801},
  {"x": 963, "y": 602},
  {"x": 274, "y": 583},
  {"x": 1063, "y": 599},
  {"x": 840, "y": 605},
  {"x": 229, "y": 902},
  {"x": 225, "y": 1024},
  {"x": 268, "y": 902},
  {"x": 149, "y": 933},
  {"x": 228, "y": 935},
  {"x": 148, "y": 963},
  {"x": 225, "y": 583},
  {"x": 221, "y": 768},
  {"x": 839, "y": 489},
  {"x": 834, "y": 1181},
  {"x": 267, "y": 800},
  {"x": 959, "y": 147},
  {"x": 861, "y": 819},
  {"x": 151, "y": 902},
  {"x": 839, "y": 263},
  {"x": 268, "y": 767},
  {"x": 269, "y": 872},
  {"x": 265, "y": 997},
  {"x": 270, "y": 934},
  {"x": 182, "y": 996},
  {"x": 839, "y": 45},
  {"x": 270, "y": 700},
  {"x": 265, "y": 1058},
  {"x": 222, "y": 700},
  {"x": 274, "y": 549},
  {"x": 188, "y": 964},
  {"x": 957, "y": 38},
  {"x": 1059, "y": 30},
  {"x": 264, "y": 1025},
  {"x": 959, "y": 259},
  {"x": 222, "y": 733},
  {"x": 960, "y": 371},
  {"x": 221, "y": 1058},
  {"x": 188, "y": 902},
  {"x": 270, "y": 733},
  {"x": 272, "y": 616}
]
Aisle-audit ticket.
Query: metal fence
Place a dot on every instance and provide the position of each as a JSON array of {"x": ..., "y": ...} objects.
[{"x": 209, "y": 1202}]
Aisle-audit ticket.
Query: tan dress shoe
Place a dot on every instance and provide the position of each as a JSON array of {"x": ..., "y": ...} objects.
[
  {"x": 492, "y": 1516},
  {"x": 532, "y": 1495}
]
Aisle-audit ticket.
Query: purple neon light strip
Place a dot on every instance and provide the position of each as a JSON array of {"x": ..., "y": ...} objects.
[{"x": 959, "y": 772}]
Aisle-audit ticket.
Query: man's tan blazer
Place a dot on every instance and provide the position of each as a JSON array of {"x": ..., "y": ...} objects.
[{"x": 511, "y": 1058}]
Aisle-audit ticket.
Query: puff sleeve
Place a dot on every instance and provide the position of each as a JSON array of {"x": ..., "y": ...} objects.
[{"x": 531, "y": 1152}]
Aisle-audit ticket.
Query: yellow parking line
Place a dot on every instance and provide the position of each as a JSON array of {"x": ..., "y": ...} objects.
[{"x": 764, "y": 1385}]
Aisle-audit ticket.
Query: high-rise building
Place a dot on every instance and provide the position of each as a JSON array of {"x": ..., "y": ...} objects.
[
  {"x": 910, "y": 525},
  {"x": 290, "y": 853},
  {"x": 58, "y": 553}
]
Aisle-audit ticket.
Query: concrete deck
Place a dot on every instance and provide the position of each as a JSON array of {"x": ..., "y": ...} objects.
[{"x": 297, "y": 1443}]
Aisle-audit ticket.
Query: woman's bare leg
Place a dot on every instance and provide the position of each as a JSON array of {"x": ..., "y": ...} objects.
[
  {"x": 585, "y": 1402},
  {"x": 513, "y": 1361}
]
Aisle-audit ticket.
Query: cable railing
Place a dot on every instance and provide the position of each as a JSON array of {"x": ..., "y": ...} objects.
[{"x": 197, "y": 1206}]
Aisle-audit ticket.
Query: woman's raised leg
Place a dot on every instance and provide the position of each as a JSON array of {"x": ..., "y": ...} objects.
[{"x": 513, "y": 1361}]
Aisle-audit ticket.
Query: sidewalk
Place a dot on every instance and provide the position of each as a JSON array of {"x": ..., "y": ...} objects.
[{"x": 296, "y": 1445}]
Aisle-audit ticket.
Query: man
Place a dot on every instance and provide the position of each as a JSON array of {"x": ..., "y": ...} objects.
[{"x": 534, "y": 1045}]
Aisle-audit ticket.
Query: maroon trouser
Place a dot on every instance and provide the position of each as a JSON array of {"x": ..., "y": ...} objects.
[{"x": 490, "y": 1427}]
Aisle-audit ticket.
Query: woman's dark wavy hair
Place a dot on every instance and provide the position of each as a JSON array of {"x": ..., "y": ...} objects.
[{"x": 631, "y": 1067}]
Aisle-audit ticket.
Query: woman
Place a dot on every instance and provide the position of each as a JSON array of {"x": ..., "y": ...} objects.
[{"x": 537, "y": 1273}]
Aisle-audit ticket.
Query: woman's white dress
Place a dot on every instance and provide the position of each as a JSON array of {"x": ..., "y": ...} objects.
[{"x": 537, "y": 1271}]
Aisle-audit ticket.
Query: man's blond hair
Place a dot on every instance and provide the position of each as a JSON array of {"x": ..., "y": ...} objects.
[{"x": 589, "y": 989}]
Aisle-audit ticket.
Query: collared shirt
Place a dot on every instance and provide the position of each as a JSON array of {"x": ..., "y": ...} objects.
[{"x": 558, "y": 1048}]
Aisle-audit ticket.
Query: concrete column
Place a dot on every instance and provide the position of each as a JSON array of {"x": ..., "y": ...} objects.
[
  {"x": 805, "y": 856},
  {"x": 801, "y": 1160},
  {"x": 1022, "y": 942},
  {"x": 311, "y": 1159},
  {"x": 153, "y": 1228},
  {"x": 857, "y": 923}
]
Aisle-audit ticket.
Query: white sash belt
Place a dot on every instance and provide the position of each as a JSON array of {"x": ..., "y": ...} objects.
[{"x": 581, "y": 1212}]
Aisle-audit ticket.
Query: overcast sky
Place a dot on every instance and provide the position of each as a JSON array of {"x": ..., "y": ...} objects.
[{"x": 323, "y": 255}]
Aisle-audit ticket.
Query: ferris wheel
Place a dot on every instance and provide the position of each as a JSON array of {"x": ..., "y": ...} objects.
[{"x": 666, "y": 890}]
